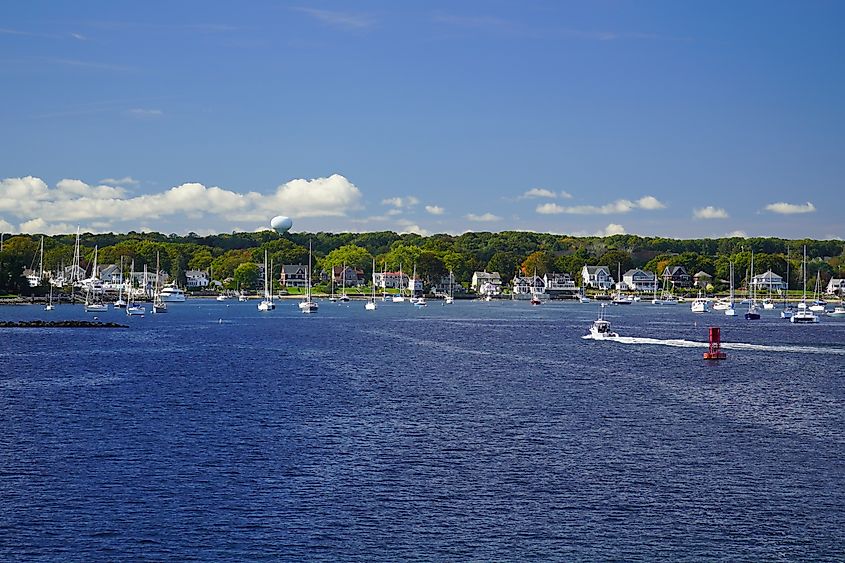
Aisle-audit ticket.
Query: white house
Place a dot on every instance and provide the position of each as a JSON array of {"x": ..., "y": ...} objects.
[
  {"x": 526, "y": 286},
  {"x": 487, "y": 283},
  {"x": 196, "y": 278},
  {"x": 597, "y": 277},
  {"x": 640, "y": 280},
  {"x": 768, "y": 280},
  {"x": 836, "y": 286},
  {"x": 392, "y": 280}
]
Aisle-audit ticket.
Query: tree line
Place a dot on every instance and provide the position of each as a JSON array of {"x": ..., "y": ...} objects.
[{"x": 510, "y": 253}]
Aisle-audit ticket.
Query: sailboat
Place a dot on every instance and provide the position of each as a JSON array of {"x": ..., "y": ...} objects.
[
  {"x": 159, "y": 306},
  {"x": 450, "y": 298},
  {"x": 803, "y": 315},
  {"x": 730, "y": 311},
  {"x": 120, "y": 303},
  {"x": 535, "y": 299},
  {"x": 371, "y": 304},
  {"x": 618, "y": 298},
  {"x": 400, "y": 297},
  {"x": 49, "y": 306},
  {"x": 308, "y": 305},
  {"x": 753, "y": 313},
  {"x": 94, "y": 301},
  {"x": 343, "y": 297},
  {"x": 818, "y": 302},
  {"x": 132, "y": 308},
  {"x": 267, "y": 303},
  {"x": 788, "y": 311}
]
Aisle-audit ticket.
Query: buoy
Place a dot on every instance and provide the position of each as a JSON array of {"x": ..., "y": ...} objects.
[{"x": 715, "y": 352}]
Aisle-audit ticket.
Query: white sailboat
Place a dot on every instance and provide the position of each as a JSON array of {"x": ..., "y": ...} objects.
[
  {"x": 818, "y": 302},
  {"x": 788, "y": 311},
  {"x": 267, "y": 303},
  {"x": 343, "y": 297},
  {"x": 49, "y": 306},
  {"x": 120, "y": 303},
  {"x": 752, "y": 314},
  {"x": 93, "y": 299},
  {"x": 371, "y": 304},
  {"x": 400, "y": 297},
  {"x": 804, "y": 315},
  {"x": 729, "y": 310},
  {"x": 450, "y": 298},
  {"x": 132, "y": 308},
  {"x": 308, "y": 305},
  {"x": 159, "y": 306}
]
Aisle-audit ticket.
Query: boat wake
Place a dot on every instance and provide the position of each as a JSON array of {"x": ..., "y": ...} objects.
[{"x": 680, "y": 343}]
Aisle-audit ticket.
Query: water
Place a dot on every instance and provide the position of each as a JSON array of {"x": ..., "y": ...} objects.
[{"x": 473, "y": 431}]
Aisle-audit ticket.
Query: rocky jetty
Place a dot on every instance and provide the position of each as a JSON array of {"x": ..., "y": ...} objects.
[{"x": 59, "y": 324}]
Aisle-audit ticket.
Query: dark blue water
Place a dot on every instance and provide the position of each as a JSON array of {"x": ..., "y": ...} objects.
[{"x": 476, "y": 431}]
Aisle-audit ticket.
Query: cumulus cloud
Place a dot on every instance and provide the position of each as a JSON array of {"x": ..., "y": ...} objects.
[
  {"x": 648, "y": 202},
  {"x": 534, "y": 193},
  {"x": 790, "y": 208},
  {"x": 613, "y": 229},
  {"x": 41, "y": 209},
  {"x": 483, "y": 218},
  {"x": 736, "y": 234},
  {"x": 125, "y": 181},
  {"x": 435, "y": 209},
  {"x": 409, "y": 227},
  {"x": 5, "y": 226},
  {"x": 401, "y": 202},
  {"x": 710, "y": 212}
]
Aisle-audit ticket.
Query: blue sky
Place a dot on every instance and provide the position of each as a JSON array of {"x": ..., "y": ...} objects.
[{"x": 656, "y": 118}]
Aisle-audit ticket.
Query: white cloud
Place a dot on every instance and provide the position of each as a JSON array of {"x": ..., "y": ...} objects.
[
  {"x": 613, "y": 229},
  {"x": 484, "y": 218},
  {"x": 409, "y": 227},
  {"x": 790, "y": 208},
  {"x": 125, "y": 181},
  {"x": 401, "y": 202},
  {"x": 435, "y": 209},
  {"x": 142, "y": 113},
  {"x": 736, "y": 234},
  {"x": 619, "y": 206},
  {"x": 544, "y": 193},
  {"x": 6, "y": 227},
  {"x": 710, "y": 212},
  {"x": 72, "y": 201}
]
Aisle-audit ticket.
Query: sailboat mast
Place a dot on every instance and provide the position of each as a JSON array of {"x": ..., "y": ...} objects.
[{"x": 41, "y": 261}]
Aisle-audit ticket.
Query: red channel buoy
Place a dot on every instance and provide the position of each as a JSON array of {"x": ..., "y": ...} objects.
[{"x": 715, "y": 352}]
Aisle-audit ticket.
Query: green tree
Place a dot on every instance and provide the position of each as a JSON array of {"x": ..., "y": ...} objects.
[
  {"x": 505, "y": 263},
  {"x": 350, "y": 255},
  {"x": 247, "y": 274}
]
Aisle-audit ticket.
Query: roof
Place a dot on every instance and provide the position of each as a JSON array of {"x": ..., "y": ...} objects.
[
  {"x": 702, "y": 274},
  {"x": 195, "y": 273},
  {"x": 486, "y": 275},
  {"x": 594, "y": 269},
  {"x": 768, "y": 275},
  {"x": 639, "y": 273},
  {"x": 293, "y": 268},
  {"x": 673, "y": 270}
]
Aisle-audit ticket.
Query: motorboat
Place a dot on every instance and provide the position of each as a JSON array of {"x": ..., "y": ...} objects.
[
  {"x": 768, "y": 304},
  {"x": 838, "y": 311},
  {"x": 600, "y": 329},
  {"x": 420, "y": 302},
  {"x": 266, "y": 305},
  {"x": 700, "y": 305},
  {"x": 804, "y": 316},
  {"x": 171, "y": 293},
  {"x": 535, "y": 300},
  {"x": 222, "y": 297},
  {"x": 135, "y": 310}
]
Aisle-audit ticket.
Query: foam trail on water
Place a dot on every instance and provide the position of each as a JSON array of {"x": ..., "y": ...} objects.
[{"x": 680, "y": 343}]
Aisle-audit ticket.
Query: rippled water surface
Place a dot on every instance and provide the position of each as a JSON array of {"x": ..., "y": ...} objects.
[{"x": 473, "y": 431}]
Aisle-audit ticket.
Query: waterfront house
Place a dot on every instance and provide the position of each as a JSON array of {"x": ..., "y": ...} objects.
[
  {"x": 391, "y": 280},
  {"x": 526, "y": 286},
  {"x": 346, "y": 276},
  {"x": 639, "y": 280},
  {"x": 596, "y": 277},
  {"x": 836, "y": 286},
  {"x": 487, "y": 283},
  {"x": 701, "y": 279},
  {"x": 293, "y": 275},
  {"x": 677, "y": 276},
  {"x": 560, "y": 286},
  {"x": 196, "y": 278},
  {"x": 768, "y": 281}
]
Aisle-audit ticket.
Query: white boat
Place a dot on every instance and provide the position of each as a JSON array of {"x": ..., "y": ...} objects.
[
  {"x": 371, "y": 303},
  {"x": 535, "y": 299},
  {"x": 752, "y": 314},
  {"x": 222, "y": 297},
  {"x": 729, "y": 310},
  {"x": 343, "y": 297},
  {"x": 159, "y": 306},
  {"x": 787, "y": 311},
  {"x": 804, "y": 315},
  {"x": 768, "y": 304},
  {"x": 266, "y": 303},
  {"x": 308, "y": 305},
  {"x": 49, "y": 306},
  {"x": 600, "y": 329},
  {"x": 242, "y": 298},
  {"x": 618, "y": 298},
  {"x": 818, "y": 303},
  {"x": 449, "y": 299},
  {"x": 171, "y": 293},
  {"x": 133, "y": 309},
  {"x": 838, "y": 311},
  {"x": 582, "y": 297},
  {"x": 420, "y": 302},
  {"x": 700, "y": 305}
]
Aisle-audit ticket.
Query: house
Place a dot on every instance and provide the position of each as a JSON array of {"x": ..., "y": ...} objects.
[
  {"x": 526, "y": 286},
  {"x": 391, "y": 280},
  {"x": 110, "y": 273},
  {"x": 416, "y": 286},
  {"x": 487, "y": 283},
  {"x": 677, "y": 276},
  {"x": 640, "y": 280},
  {"x": 769, "y": 281},
  {"x": 293, "y": 275},
  {"x": 836, "y": 286},
  {"x": 701, "y": 279},
  {"x": 442, "y": 287},
  {"x": 345, "y": 276},
  {"x": 560, "y": 286},
  {"x": 196, "y": 278},
  {"x": 597, "y": 277},
  {"x": 74, "y": 274}
]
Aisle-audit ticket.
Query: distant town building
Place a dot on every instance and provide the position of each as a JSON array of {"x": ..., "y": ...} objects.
[
  {"x": 677, "y": 276},
  {"x": 526, "y": 286},
  {"x": 487, "y": 283},
  {"x": 293, "y": 275},
  {"x": 197, "y": 278}
]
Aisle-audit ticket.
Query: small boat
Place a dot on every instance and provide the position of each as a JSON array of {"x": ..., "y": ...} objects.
[
  {"x": 171, "y": 293},
  {"x": 838, "y": 311},
  {"x": 753, "y": 314},
  {"x": 449, "y": 299},
  {"x": 804, "y": 315},
  {"x": 49, "y": 306},
  {"x": 135, "y": 310},
  {"x": 308, "y": 305},
  {"x": 535, "y": 300},
  {"x": 222, "y": 297},
  {"x": 768, "y": 304},
  {"x": 420, "y": 302},
  {"x": 700, "y": 305},
  {"x": 267, "y": 303},
  {"x": 242, "y": 298},
  {"x": 600, "y": 329},
  {"x": 159, "y": 306},
  {"x": 371, "y": 303}
]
